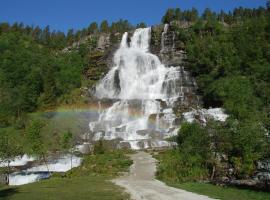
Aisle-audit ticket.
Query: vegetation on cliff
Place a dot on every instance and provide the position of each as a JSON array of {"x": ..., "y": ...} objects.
[
  {"x": 228, "y": 53},
  {"x": 41, "y": 69}
]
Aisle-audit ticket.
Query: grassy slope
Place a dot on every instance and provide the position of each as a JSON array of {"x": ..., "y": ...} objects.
[
  {"x": 89, "y": 181},
  {"x": 223, "y": 193},
  {"x": 89, "y": 187}
]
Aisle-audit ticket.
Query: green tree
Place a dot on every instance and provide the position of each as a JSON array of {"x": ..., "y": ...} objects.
[
  {"x": 194, "y": 15},
  {"x": 237, "y": 94},
  {"x": 193, "y": 139},
  {"x": 194, "y": 152},
  {"x": 249, "y": 144},
  {"x": 207, "y": 14},
  {"x": 46, "y": 35},
  {"x": 67, "y": 144},
  {"x": 99, "y": 147},
  {"x": 10, "y": 148},
  {"x": 47, "y": 99},
  {"x": 169, "y": 16},
  {"x": 35, "y": 143},
  {"x": 141, "y": 25},
  {"x": 92, "y": 28},
  {"x": 104, "y": 26},
  {"x": 70, "y": 36},
  {"x": 178, "y": 14}
]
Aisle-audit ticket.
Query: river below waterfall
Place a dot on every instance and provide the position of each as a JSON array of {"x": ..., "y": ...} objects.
[{"x": 40, "y": 171}]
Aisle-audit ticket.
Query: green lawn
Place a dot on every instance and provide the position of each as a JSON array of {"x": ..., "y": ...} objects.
[
  {"x": 78, "y": 188},
  {"x": 223, "y": 193},
  {"x": 90, "y": 181}
]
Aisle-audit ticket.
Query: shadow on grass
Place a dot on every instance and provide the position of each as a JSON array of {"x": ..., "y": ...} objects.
[{"x": 6, "y": 192}]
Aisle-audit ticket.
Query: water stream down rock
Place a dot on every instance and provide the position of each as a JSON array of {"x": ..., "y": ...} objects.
[{"x": 143, "y": 92}]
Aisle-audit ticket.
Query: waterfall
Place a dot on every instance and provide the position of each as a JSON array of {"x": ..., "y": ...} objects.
[{"x": 144, "y": 92}]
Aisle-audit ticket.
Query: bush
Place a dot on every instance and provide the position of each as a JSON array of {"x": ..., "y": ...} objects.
[{"x": 108, "y": 163}]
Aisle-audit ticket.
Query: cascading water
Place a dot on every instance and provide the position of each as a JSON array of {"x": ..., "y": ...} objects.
[
  {"x": 166, "y": 26},
  {"x": 144, "y": 92}
]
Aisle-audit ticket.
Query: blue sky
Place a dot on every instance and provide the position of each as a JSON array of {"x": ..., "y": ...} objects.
[{"x": 65, "y": 14}]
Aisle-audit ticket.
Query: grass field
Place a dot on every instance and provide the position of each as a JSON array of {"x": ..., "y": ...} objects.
[
  {"x": 223, "y": 193},
  {"x": 89, "y": 187},
  {"x": 90, "y": 181}
]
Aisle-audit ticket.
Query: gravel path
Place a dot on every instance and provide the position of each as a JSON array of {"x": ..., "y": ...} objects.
[{"x": 142, "y": 185}]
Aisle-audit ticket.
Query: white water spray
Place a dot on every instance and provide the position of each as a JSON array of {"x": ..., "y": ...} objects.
[{"x": 138, "y": 83}]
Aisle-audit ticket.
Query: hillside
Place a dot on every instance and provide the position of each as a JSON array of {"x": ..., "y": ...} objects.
[{"x": 195, "y": 88}]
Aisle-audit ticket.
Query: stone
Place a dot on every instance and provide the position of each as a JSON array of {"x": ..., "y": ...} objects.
[
  {"x": 103, "y": 42},
  {"x": 85, "y": 148}
]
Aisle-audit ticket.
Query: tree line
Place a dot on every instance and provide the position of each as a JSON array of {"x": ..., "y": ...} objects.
[
  {"x": 192, "y": 15},
  {"x": 58, "y": 39}
]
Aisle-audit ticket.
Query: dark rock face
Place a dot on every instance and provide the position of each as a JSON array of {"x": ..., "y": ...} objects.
[
  {"x": 99, "y": 64},
  {"x": 264, "y": 165},
  {"x": 155, "y": 42},
  {"x": 167, "y": 46},
  {"x": 117, "y": 81},
  {"x": 171, "y": 52}
]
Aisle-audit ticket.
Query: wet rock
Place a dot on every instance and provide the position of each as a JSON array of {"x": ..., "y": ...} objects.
[
  {"x": 167, "y": 46},
  {"x": 250, "y": 184},
  {"x": 177, "y": 121},
  {"x": 264, "y": 165},
  {"x": 85, "y": 148},
  {"x": 154, "y": 134},
  {"x": 263, "y": 176},
  {"x": 124, "y": 145},
  {"x": 86, "y": 136},
  {"x": 117, "y": 81},
  {"x": 120, "y": 129},
  {"x": 163, "y": 103},
  {"x": 103, "y": 42},
  {"x": 263, "y": 170}
]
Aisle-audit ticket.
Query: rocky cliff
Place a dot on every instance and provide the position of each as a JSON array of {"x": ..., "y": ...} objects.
[{"x": 171, "y": 51}]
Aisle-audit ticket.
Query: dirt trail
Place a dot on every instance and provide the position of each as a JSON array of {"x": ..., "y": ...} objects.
[{"x": 142, "y": 185}]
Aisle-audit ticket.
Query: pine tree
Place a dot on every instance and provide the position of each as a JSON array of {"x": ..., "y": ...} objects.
[
  {"x": 169, "y": 16},
  {"x": 178, "y": 14},
  {"x": 35, "y": 142},
  {"x": 141, "y": 25},
  {"x": 104, "y": 26},
  {"x": 48, "y": 98},
  {"x": 92, "y": 28},
  {"x": 67, "y": 144},
  {"x": 9, "y": 148}
]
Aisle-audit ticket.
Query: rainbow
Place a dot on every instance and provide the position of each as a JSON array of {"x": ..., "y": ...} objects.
[{"x": 94, "y": 108}]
